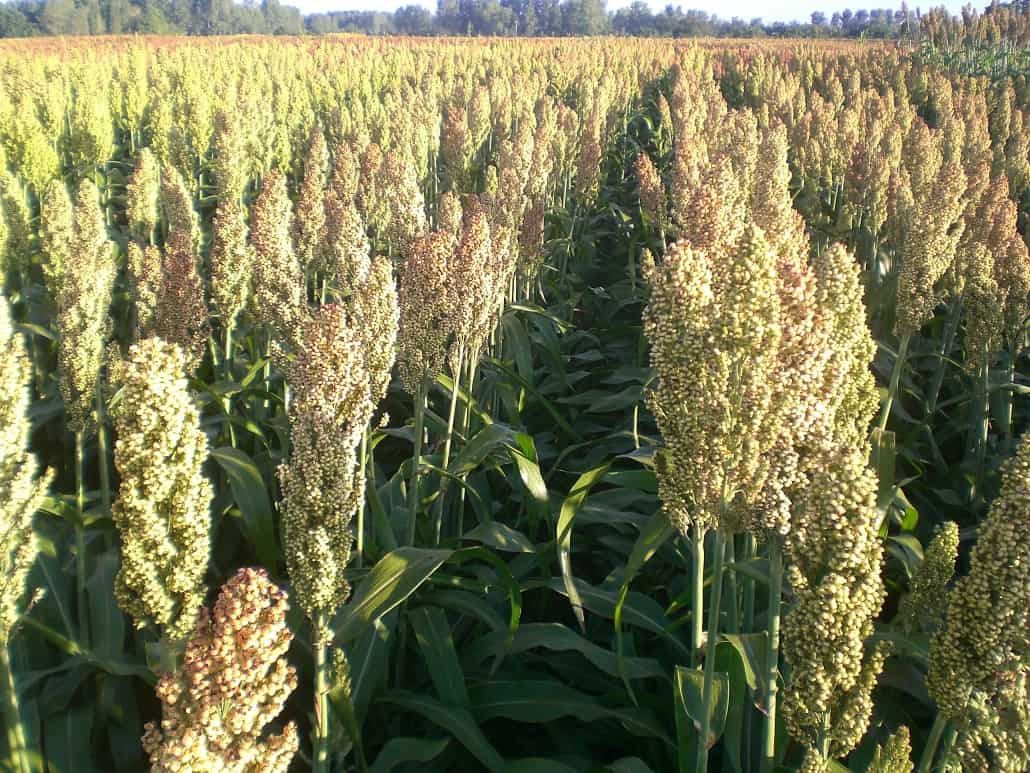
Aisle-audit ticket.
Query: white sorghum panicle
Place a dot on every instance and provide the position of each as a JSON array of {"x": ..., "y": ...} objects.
[
  {"x": 83, "y": 303},
  {"x": 233, "y": 683},
  {"x": 712, "y": 322},
  {"x": 894, "y": 755},
  {"x": 279, "y": 286},
  {"x": 162, "y": 510},
  {"x": 57, "y": 234},
  {"x": 425, "y": 310},
  {"x": 375, "y": 316},
  {"x": 836, "y": 557},
  {"x": 310, "y": 222},
  {"x": 232, "y": 261},
  {"x": 21, "y": 492},
  {"x": 145, "y": 272},
  {"x": 980, "y": 659},
  {"x": 142, "y": 197},
  {"x": 322, "y": 487},
  {"x": 925, "y": 601}
]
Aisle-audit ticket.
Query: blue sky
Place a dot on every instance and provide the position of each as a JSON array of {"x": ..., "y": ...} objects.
[{"x": 779, "y": 10}]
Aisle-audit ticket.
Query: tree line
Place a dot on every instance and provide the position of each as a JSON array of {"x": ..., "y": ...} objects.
[{"x": 26, "y": 18}]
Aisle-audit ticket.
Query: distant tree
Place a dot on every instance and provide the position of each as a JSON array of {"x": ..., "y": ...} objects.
[
  {"x": 818, "y": 19},
  {"x": 413, "y": 20}
]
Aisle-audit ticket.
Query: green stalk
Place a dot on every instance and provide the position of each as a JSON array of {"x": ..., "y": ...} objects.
[
  {"x": 80, "y": 538},
  {"x": 320, "y": 750},
  {"x": 982, "y": 421},
  {"x": 455, "y": 381},
  {"x": 733, "y": 608},
  {"x": 940, "y": 724},
  {"x": 466, "y": 428},
  {"x": 892, "y": 392},
  {"x": 416, "y": 461},
  {"x": 1006, "y": 411},
  {"x": 772, "y": 654},
  {"x": 16, "y": 745},
  {"x": 105, "y": 478},
  {"x": 697, "y": 550},
  {"x": 950, "y": 329},
  {"x": 708, "y": 690},
  {"x": 359, "y": 549},
  {"x": 749, "y": 585}
]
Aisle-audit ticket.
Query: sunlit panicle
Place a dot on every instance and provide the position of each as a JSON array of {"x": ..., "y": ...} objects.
[
  {"x": 652, "y": 190},
  {"x": 321, "y": 484},
  {"x": 162, "y": 511},
  {"x": 979, "y": 670},
  {"x": 836, "y": 557},
  {"x": 142, "y": 197},
  {"x": 232, "y": 261},
  {"x": 234, "y": 681},
  {"x": 84, "y": 301},
  {"x": 309, "y": 225},
  {"x": 57, "y": 234},
  {"x": 426, "y": 313},
  {"x": 23, "y": 490},
  {"x": 145, "y": 274},
  {"x": 279, "y": 286}
]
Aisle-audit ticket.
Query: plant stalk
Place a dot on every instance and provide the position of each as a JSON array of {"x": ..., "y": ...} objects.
[
  {"x": 16, "y": 744},
  {"x": 320, "y": 750},
  {"x": 359, "y": 548},
  {"x": 708, "y": 689},
  {"x": 899, "y": 365},
  {"x": 697, "y": 597},
  {"x": 456, "y": 379},
  {"x": 416, "y": 462},
  {"x": 80, "y": 537},
  {"x": 772, "y": 653},
  {"x": 940, "y": 724}
]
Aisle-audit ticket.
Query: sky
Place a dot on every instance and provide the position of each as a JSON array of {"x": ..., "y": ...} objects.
[{"x": 774, "y": 10}]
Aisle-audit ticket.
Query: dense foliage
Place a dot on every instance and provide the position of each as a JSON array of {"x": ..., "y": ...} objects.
[
  {"x": 594, "y": 405},
  {"x": 23, "y": 18}
]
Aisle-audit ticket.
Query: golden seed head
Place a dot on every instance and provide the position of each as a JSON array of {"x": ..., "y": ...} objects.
[{"x": 235, "y": 680}]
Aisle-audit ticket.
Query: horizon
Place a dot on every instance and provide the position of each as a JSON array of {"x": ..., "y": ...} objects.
[{"x": 787, "y": 11}]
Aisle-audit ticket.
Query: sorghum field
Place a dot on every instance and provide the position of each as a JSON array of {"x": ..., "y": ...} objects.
[{"x": 516, "y": 406}]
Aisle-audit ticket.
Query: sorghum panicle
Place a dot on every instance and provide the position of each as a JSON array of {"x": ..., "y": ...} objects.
[
  {"x": 234, "y": 682},
  {"x": 980, "y": 659},
  {"x": 23, "y": 491},
  {"x": 322, "y": 487},
  {"x": 162, "y": 510},
  {"x": 83, "y": 320}
]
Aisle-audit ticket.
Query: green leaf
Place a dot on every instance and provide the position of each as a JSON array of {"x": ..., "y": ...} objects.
[
  {"x": 66, "y": 739},
  {"x": 728, "y": 660},
  {"x": 433, "y": 634},
  {"x": 501, "y": 537},
  {"x": 369, "y": 659},
  {"x": 397, "y": 751},
  {"x": 561, "y": 638},
  {"x": 569, "y": 508},
  {"x": 538, "y": 765},
  {"x": 656, "y": 532},
  {"x": 629, "y": 765},
  {"x": 690, "y": 700},
  {"x": 529, "y": 468},
  {"x": 751, "y": 649},
  {"x": 106, "y": 622},
  {"x": 248, "y": 489},
  {"x": 397, "y": 575},
  {"x": 457, "y": 721},
  {"x": 638, "y": 609},
  {"x": 480, "y": 446}
]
